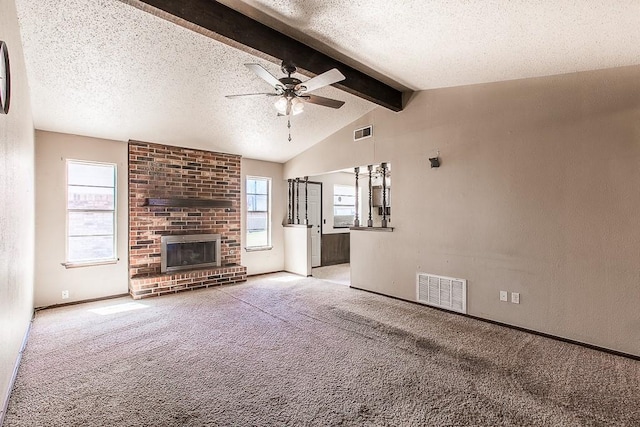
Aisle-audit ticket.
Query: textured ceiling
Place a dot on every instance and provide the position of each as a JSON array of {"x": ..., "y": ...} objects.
[
  {"x": 109, "y": 70},
  {"x": 105, "y": 69},
  {"x": 440, "y": 43}
]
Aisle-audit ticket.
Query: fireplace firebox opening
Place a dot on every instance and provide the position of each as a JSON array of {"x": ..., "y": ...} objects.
[{"x": 189, "y": 252}]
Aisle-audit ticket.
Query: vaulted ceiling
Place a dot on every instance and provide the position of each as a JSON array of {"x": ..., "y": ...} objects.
[{"x": 110, "y": 70}]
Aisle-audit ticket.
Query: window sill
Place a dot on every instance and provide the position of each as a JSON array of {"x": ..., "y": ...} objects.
[
  {"x": 258, "y": 248},
  {"x": 89, "y": 263}
]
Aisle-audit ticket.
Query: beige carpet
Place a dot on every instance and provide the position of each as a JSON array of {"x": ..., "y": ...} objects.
[
  {"x": 339, "y": 273},
  {"x": 284, "y": 350}
]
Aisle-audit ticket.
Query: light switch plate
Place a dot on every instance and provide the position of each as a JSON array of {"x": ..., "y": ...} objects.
[
  {"x": 515, "y": 297},
  {"x": 503, "y": 296}
]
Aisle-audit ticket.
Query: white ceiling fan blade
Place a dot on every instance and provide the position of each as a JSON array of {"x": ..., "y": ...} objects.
[
  {"x": 327, "y": 78},
  {"x": 264, "y": 74},
  {"x": 243, "y": 95},
  {"x": 321, "y": 100}
]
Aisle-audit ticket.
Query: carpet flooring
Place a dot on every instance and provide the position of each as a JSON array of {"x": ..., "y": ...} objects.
[
  {"x": 339, "y": 273},
  {"x": 286, "y": 350}
]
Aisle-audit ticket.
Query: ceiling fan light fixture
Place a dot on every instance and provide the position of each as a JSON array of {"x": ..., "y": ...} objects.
[
  {"x": 297, "y": 106},
  {"x": 281, "y": 105}
]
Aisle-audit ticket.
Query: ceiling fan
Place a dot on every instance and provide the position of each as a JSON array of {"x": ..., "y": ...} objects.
[{"x": 293, "y": 93}]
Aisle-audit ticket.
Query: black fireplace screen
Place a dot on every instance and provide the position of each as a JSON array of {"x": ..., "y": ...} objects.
[
  {"x": 189, "y": 254},
  {"x": 190, "y": 251}
]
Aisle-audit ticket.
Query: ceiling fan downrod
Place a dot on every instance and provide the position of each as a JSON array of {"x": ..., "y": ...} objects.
[{"x": 287, "y": 68}]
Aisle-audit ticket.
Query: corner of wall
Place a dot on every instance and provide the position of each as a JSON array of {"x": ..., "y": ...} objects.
[{"x": 17, "y": 213}]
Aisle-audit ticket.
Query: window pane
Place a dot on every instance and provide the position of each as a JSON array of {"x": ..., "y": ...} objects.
[
  {"x": 348, "y": 210},
  {"x": 344, "y": 190},
  {"x": 90, "y": 232},
  {"x": 257, "y": 212},
  {"x": 261, "y": 186},
  {"x": 251, "y": 203},
  {"x": 261, "y": 203},
  {"x": 344, "y": 205},
  {"x": 257, "y": 221},
  {"x": 344, "y": 200},
  {"x": 257, "y": 229},
  {"x": 91, "y": 174},
  {"x": 91, "y": 248},
  {"x": 90, "y": 223},
  {"x": 91, "y": 198},
  {"x": 257, "y": 203},
  {"x": 251, "y": 186}
]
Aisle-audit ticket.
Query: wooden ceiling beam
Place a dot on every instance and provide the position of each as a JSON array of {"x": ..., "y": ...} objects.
[{"x": 231, "y": 27}]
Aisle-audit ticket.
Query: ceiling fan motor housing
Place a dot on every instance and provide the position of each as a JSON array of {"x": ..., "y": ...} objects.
[
  {"x": 292, "y": 86},
  {"x": 288, "y": 68},
  {"x": 290, "y": 82}
]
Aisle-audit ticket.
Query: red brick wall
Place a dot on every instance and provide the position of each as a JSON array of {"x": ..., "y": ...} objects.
[{"x": 164, "y": 171}]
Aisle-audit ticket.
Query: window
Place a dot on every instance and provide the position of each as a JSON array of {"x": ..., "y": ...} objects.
[
  {"x": 91, "y": 212},
  {"x": 258, "y": 213},
  {"x": 344, "y": 206}
]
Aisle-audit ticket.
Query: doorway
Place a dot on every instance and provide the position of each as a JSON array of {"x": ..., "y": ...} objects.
[
  {"x": 314, "y": 203},
  {"x": 313, "y": 216}
]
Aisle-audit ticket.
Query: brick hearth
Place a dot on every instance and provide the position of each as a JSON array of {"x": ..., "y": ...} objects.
[{"x": 160, "y": 171}]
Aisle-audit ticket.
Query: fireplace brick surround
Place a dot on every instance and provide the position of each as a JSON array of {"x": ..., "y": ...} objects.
[{"x": 161, "y": 171}]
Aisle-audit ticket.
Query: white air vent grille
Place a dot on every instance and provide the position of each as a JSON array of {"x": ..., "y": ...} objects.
[
  {"x": 444, "y": 292},
  {"x": 363, "y": 133}
]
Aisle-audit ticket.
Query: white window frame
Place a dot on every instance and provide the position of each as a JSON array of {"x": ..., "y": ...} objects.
[
  {"x": 99, "y": 261},
  {"x": 268, "y": 246}
]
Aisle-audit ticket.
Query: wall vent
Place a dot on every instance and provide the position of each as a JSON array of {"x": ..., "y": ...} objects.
[
  {"x": 362, "y": 133},
  {"x": 444, "y": 292}
]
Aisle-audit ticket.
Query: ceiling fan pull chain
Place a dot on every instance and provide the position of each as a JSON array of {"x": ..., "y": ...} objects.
[{"x": 289, "y": 126}]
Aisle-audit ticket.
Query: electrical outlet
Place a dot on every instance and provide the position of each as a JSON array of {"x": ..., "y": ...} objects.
[
  {"x": 503, "y": 296},
  {"x": 515, "y": 297},
  {"x": 65, "y": 294}
]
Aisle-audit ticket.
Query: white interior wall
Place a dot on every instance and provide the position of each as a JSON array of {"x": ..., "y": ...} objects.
[
  {"x": 297, "y": 244},
  {"x": 265, "y": 261},
  {"x": 537, "y": 194},
  {"x": 17, "y": 207},
  {"x": 51, "y": 277}
]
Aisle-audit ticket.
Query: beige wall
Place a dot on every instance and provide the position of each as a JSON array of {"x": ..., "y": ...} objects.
[
  {"x": 259, "y": 262},
  {"x": 51, "y": 278},
  {"x": 16, "y": 207},
  {"x": 297, "y": 246},
  {"x": 538, "y": 193}
]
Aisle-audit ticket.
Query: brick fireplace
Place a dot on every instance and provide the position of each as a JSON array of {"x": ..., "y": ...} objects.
[{"x": 174, "y": 175}]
